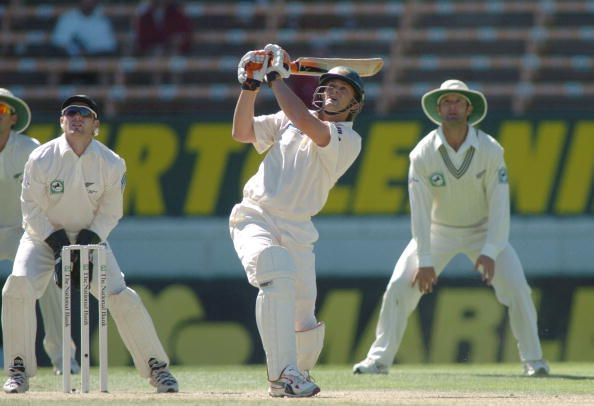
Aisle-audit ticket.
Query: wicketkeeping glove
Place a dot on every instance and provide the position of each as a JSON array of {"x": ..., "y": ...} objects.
[
  {"x": 59, "y": 239},
  {"x": 280, "y": 63},
  {"x": 252, "y": 69},
  {"x": 56, "y": 241}
]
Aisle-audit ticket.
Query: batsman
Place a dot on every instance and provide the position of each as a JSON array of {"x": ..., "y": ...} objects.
[
  {"x": 307, "y": 151},
  {"x": 459, "y": 201}
]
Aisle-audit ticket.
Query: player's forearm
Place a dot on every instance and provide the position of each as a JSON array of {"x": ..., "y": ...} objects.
[
  {"x": 299, "y": 115},
  {"x": 36, "y": 222},
  {"x": 33, "y": 206},
  {"x": 107, "y": 219},
  {"x": 420, "y": 206},
  {"x": 243, "y": 117},
  {"x": 498, "y": 223}
]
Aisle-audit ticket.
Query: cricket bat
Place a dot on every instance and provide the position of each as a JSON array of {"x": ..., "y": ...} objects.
[{"x": 312, "y": 66}]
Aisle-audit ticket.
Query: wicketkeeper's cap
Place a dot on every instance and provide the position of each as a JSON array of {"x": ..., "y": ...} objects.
[
  {"x": 81, "y": 98},
  {"x": 431, "y": 100},
  {"x": 21, "y": 109}
]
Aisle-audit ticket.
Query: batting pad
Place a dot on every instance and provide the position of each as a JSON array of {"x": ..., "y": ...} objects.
[
  {"x": 136, "y": 329},
  {"x": 309, "y": 346},
  {"x": 19, "y": 323},
  {"x": 275, "y": 309}
]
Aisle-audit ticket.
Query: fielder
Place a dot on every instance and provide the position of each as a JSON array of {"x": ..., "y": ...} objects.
[
  {"x": 72, "y": 193},
  {"x": 459, "y": 200},
  {"x": 272, "y": 231},
  {"x": 15, "y": 148}
]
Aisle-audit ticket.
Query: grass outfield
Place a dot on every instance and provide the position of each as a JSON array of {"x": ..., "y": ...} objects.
[{"x": 484, "y": 384}]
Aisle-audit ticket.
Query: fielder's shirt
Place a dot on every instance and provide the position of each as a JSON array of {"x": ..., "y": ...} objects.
[
  {"x": 295, "y": 177},
  {"x": 63, "y": 190},
  {"x": 467, "y": 188},
  {"x": 12, "y": 163}
]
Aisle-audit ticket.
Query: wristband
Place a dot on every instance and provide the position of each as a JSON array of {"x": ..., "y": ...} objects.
[
  {"x": 250, "y": 84},
  {"x": 271, "y": 77}
]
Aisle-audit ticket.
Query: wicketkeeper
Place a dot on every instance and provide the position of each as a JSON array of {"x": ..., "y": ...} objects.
[
  {"x": 306, "y": 153},
  {"x": 459, "y": 201},
  {"x": 73, "y": 193}
]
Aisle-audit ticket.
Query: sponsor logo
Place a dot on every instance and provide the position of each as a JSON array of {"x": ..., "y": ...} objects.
[
  {"x": 437, "y": 179},
  {"x": 56, "y": 186},
  {"x": 481, "y": 174}
]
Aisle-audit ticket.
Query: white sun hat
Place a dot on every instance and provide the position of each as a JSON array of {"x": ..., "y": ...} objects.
[
  {"x": 20, "y": 107},
  {"x": 478, "y": 101}
]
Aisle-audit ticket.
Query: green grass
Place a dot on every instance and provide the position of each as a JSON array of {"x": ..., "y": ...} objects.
[{"x": 485, "y": 384}]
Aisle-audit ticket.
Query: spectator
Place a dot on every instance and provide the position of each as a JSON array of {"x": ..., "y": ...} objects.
[
  {"x": 162, "y": 28},
  {"x": 85, "y": 31}
]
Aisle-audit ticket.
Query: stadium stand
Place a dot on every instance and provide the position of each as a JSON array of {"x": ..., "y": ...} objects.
[{"x": 525, "y": 55}]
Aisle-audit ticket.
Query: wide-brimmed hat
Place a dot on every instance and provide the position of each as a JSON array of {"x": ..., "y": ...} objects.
[
  {"x": 21, "y": 108},
  {"x": 478, "y": 101}
]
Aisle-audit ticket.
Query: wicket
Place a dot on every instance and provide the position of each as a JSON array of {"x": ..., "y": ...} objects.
[{"x": 100, "y": 271}]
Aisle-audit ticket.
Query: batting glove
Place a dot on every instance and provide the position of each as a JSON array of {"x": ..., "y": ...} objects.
[
  {"x": 252, "y": 69},
  {"x": 280, "y": 63}
]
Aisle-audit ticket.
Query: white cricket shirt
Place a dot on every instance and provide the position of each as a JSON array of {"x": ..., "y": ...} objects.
[
  {"x": 460, "y": 189},
  {"x": 12, "y": 163},
  {"x": 295, "y": 177},
  {"x": 62, "y": 190}
]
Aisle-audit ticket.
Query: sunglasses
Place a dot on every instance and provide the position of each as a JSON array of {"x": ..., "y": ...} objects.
[
  {"x": 84, "y": 112},
  {"x": 5, "y": 109}
]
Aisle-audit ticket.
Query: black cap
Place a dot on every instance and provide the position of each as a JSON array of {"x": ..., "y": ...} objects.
[
  {"x": 81, "y": 98},
  {"x": 348, "y": 75}
]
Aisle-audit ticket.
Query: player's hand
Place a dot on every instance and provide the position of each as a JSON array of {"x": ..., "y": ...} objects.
[
  {"x": 252, "y": 68},
  {"x": 280, "y": 63},
  {"x": 486, "y": 266},
  {"x": 425, "y": 278}
]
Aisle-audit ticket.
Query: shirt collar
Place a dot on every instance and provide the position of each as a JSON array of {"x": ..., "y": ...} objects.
[
  {"x": 65, "y": 148},
  {"x": 470, "y": 141},
  {"x": 342, "y": 123},
  {"x": 12, "y": 135}
]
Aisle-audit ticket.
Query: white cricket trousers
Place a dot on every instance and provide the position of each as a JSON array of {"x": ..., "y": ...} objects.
[
  {"x": 50, "y": 303},
  {"x": 253, "y": 229},
  {"x": 401, "y": 298}
]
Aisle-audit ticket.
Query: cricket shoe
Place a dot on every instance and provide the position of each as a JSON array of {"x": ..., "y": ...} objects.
[
  {"x": 536, "y": 368},
  {"x": 161, "y": 378},
  {"x": 74, "y": 367},
  {"x": 17, "y": 381},
  {"x": 292, "y": 384},
  {"x": 368, "y": 366}
]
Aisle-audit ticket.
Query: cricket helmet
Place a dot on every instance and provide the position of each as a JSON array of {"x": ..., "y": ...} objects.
[{"x": 350, "y": 76}]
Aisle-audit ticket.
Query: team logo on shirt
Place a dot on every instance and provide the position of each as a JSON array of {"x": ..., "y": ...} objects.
[
  {"x": 502, "y": 174},
  {"x": 437, "y": 179},
  {"x": 56, "y": 187}
]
